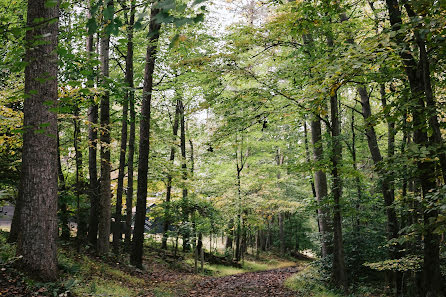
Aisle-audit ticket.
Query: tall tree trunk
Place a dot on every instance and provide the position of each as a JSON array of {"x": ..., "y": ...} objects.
[
  {"x": 321, "y": 188},
  {"x": 143, "y": 159},
  {"x": 192, "y": 168},
  {"x": 92, "y": 155},
  {"x": 230, "y": 237},
  {"x": 281, "y": 234},
  {"x": 169, "y": 175},
  {"x": 386, "y": 189},
  {"x": 93, "y": 173},
  {"x": 65, "y": 235},
  {"x": 239, "y": 216},
  {"x": 185, "y": 202},
  {"x": 279, "y": 162},
  {"x": 241, "y": 158},
  {"x": 38, "y": 215},
  {"x": 131, "y": 101},
  {"x": 357, "y": 179},
  {"x": 339, "y": 273},
  {"x": 81, "y": 224},
  {"x": 103, "y": 243},
  {"x": 307, "y": 155},
  {"x": 117, "y": 231},
  {"x": 418, "y": 74}
]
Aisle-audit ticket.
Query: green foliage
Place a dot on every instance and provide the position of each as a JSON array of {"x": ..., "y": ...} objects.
[
  {"x": 407, "y": 263},
  {"x": 309, "y": 283},
  {"x": 7, "y": 251}
]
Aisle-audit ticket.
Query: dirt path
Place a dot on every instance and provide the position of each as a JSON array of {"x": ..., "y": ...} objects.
[{"x": 250, "y": 284}]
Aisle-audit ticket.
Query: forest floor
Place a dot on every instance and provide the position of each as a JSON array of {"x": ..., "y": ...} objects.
[
  {"x": 83, "y": 274},
  {"x": 249, "y": 284}
]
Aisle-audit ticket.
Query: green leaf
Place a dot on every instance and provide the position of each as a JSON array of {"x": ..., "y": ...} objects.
[
  {"x": 109, "y": 12},
  {"x": 92, "y": 26}
]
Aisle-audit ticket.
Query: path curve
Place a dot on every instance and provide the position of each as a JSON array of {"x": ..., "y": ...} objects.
[{"x": 250, "y": 284}]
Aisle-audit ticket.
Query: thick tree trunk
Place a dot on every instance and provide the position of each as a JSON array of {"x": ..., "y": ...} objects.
[
  {"x": 131, "y": 99},
  {"x": 418, "y": 74},
  {"x": 339, "y": 273},
  {"x": 103, "y": 243},
  {"x": 38, "y": 215},
  {"x": 169, "y": 175},
  {"x": 143, "y": 160}
]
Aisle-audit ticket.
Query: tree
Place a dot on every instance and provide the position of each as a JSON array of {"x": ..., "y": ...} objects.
[
  {"x": 38, "y": 189},
  {"x": 169, "y": 175},
  {"x": 144, "y": 135},
  {"x": 131, "y": 152},
  {"x": 105, "y": 182},
  {"x": 92, "y": 152}
]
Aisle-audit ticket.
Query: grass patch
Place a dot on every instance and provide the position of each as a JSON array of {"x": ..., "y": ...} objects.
[
  {"x": 309, "y": 282},
  {"x": 96, "y": 278},
  {"x": 124, "y": 277},
  {"x": 100, "y": 287},
  {"x": 163, "y": 291}
]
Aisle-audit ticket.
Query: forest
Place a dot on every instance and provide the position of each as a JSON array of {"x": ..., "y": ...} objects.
[{"x": 223, "y": 148}]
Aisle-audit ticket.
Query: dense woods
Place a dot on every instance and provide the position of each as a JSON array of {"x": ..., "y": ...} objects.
[{"x": 226, "y": 131}]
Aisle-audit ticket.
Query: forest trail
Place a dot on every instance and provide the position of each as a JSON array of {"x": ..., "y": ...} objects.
[{"x": 250, "y": 284}]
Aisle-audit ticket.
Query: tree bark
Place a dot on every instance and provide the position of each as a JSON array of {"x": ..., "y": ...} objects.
[
  {"x": 92, "y": 155},
  {"x": 169, "y": 176},
  {"x": 239, "y": 215},
  {"x": 321, "y": 188},
  {"x": 281, "y": 234},
  {"x": 229, "y": 238},
  {"x": 185, "y": 202},
  {"x": 103, "y": 243},
  {"x": 392, "y": 220},
  {"x": 81, "y": 224},
  {"x": 65, "y": 235},
  {"x": 339, "y": 273},
  {"x": 423, "y": 103},
  {"x": 131, "y": 100},
  {"x": 38, "y": 215},
  {"x": 143, "y": 160},
  {"x": 117, "y": 231},
  {"x": 356, "y": 225}
]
